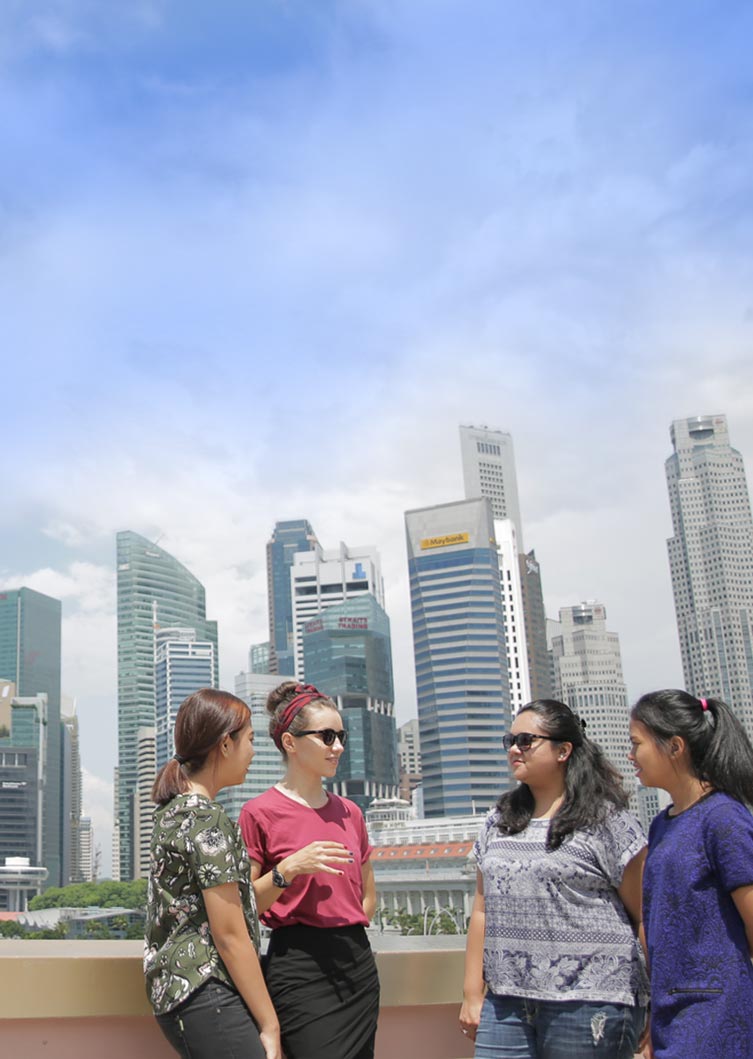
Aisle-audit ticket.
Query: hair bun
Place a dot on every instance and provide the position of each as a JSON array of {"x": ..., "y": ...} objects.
[{"x": 280, "y": 694}]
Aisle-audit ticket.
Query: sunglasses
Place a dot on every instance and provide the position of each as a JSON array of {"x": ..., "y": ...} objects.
[
  {"x": 328, "y": 735},
  {"x": 524, "y": 740}
]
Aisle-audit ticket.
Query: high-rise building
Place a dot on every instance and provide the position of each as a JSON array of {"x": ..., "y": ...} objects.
[
  {"x": 267, "y": 767},
  {"x": 489, "y": 470},
  {"x": 70, "y": 771},
  {"x": 588, "y": 677},
  {"x": 143, "y": 806},
  {"x": 259, "y": 657},
  {"x": 30, "y": 625},
  {"x": 24, "y": 755},
  {"x": 512, "y": 609},
  {"x": 347, "y": 652},
  {"x": 409, "y": 757},
  {"x": 461, "y": 667},
  {"x": 86, "y": 849},
  {"x": 321, "y": 579},
  {"x": 116, "y": 825},
  {"x": 539, "y": 660},
  {"x": 287, "y": 539},
  {"x": 153, "y": 588},
  {"x": 182, "y": 665},
  {"x": 711, "y": 562}
]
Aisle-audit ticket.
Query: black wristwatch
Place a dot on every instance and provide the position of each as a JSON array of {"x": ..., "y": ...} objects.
[{"x": 279, "y": 879}]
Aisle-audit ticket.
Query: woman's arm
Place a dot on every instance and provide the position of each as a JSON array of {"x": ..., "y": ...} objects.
[
  {"x": 473, "y": 981},
  {"x": 230, "y": 935},
  {"x": 630, "y": 889},
  {"x": 369, "y": 890},
  {"x": 743, "y": 898},
  {"x": 317, "y": 856}
]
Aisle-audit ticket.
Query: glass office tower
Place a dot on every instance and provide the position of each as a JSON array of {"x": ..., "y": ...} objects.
[
  {"x": 462, "y": 679},
  {"x": 154, "y": 589},
  {"x": 30, "y": 625},
  {"x": 287, "y": 538},
  {"x": 347, "y": 653}
]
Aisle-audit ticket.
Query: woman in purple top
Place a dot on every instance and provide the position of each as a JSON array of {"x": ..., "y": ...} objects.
[{"x": 698, "y": 879}]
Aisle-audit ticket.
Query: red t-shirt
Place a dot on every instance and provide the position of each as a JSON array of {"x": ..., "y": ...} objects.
[{"x": 274, "y": 826}]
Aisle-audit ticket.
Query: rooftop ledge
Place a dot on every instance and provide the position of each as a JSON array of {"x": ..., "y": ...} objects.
[{"x": 75, "y": 999}]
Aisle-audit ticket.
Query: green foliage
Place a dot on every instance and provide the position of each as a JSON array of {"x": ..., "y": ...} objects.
[
  {"x": 104, "y": 894},
  {"x": 10, "y": 929}
]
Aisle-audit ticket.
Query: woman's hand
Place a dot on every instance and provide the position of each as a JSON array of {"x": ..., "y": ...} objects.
[
  {"x": 330, "y": 857},
  {"x": 470, "y": 1013},
  {"x": 270, "y": 1041}
]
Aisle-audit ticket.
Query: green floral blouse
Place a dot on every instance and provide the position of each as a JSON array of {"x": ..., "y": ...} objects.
[{"x": 195, "y": 846}]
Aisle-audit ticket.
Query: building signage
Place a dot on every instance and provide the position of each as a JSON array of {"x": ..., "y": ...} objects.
[
  {"x": 314, "y": 626},
  {"x": 445, "y": 542},
  {"x": 353, "y": 623}
]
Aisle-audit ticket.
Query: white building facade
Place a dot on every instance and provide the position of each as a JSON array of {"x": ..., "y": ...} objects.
[
  {"x": 321, "y": 578},
  {"x": 588, "y": 677}
]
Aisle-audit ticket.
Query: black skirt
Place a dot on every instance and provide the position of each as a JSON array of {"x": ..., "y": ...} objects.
[{"x": 324, "y": 986}]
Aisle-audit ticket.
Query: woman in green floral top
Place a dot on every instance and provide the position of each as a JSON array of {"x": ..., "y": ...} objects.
[{"x": 202, "y": 932}]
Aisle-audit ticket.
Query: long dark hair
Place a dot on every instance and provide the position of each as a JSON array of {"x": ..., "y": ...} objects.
[
  {"x": 204, "y": 720},
  {"x": 593, "y": 787},
  {"x": 719, "y": 750}
]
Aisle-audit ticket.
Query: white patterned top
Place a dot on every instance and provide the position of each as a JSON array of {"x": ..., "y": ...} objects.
[{"x": 556, "y": 928}]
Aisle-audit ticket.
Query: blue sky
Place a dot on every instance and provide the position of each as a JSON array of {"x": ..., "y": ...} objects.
[{"x": 259, "y": 260}]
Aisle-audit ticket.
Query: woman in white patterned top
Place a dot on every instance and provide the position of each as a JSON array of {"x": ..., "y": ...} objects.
[{"x": 553, "y": 966}]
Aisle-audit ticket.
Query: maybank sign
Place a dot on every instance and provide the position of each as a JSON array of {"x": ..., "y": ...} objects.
[{"x": 445, "y": 542}]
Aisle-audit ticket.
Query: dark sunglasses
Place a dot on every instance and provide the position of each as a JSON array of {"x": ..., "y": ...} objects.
[
  {"x": 524, "y": 740},
  {"x": 328, "y": 735}
]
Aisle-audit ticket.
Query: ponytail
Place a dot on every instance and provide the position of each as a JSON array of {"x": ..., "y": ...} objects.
[
  {"x": 171, "y": 780},
  {"x": 204, "y": 719},
  {"x": 719, "y": 749}
]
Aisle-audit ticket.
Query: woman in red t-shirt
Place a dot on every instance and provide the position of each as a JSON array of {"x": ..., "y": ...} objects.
[{"x": 314, "y": 886}]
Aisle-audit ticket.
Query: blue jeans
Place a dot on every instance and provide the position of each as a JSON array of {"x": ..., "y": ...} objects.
[{"x": 515, "y": 1028}]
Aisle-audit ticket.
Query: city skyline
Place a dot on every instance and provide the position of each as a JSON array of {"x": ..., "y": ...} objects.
[{"x": 261, "y": 267}]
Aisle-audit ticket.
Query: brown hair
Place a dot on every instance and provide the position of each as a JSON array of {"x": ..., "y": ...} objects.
[
  {"x": 204, "y": 720},
  {"x": 277, "y": 702}
]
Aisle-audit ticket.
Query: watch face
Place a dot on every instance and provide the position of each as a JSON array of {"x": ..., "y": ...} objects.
[{"x": 278, "y": 878}]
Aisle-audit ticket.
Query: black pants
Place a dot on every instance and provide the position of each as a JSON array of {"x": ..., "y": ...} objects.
[{"x": 213, "y": 1022}]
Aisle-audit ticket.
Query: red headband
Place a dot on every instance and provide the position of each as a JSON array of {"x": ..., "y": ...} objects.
[
  {"x": 704, "y": 704},
  {"x": 304, "y": 694}
]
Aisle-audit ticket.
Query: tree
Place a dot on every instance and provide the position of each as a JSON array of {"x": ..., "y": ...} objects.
[{"x": 105, "y": 894}]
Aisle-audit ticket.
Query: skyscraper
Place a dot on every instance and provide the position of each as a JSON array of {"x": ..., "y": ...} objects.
[
  {"x": 143, "y": 806},
  {"x": 267, "y": 767},
  {"x": 489, "y": 470},
  {"x": 512, "y": 608},
  {"x": 70, "y": 770},
  {"x": 322, "y": 579},
  {"x": 461, "y": 667},
  {"x": 409, "y": 757},
  {"x": 287, "y": 538},
  {"x": 711, "y": 562},
  {"x": 182, "y": 665},
  {"x": 588, "y": 677},
  {"x": 23, "y": 763},
  {"x": 86, "y": 850},
  {"x": 153, "y": 588},
  {"x": 30, "y": 657},
  {"x": 347, "y": 652}
]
